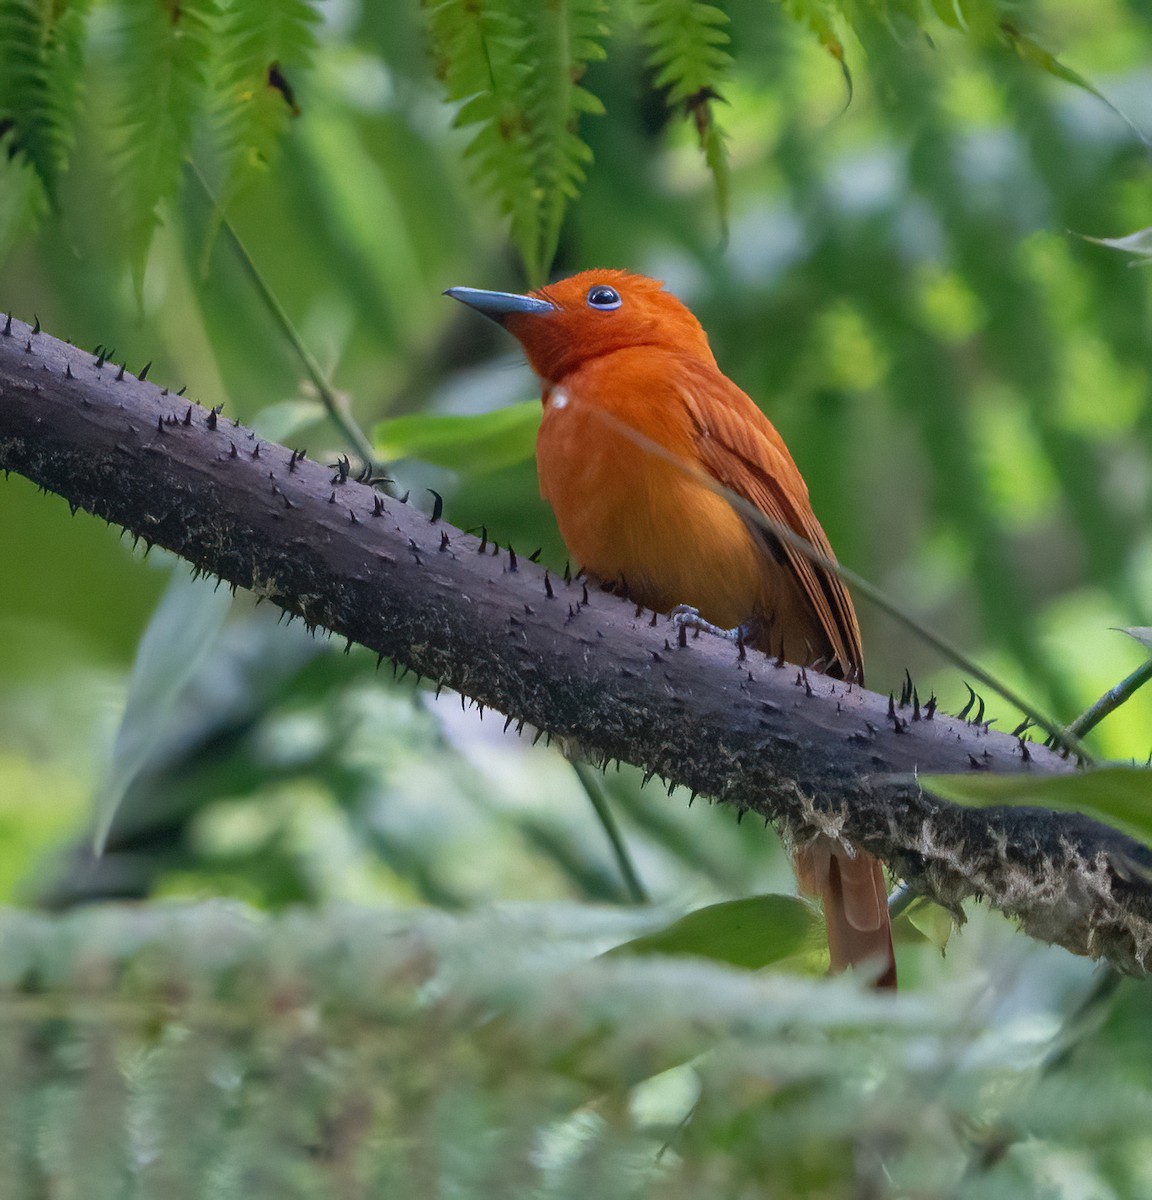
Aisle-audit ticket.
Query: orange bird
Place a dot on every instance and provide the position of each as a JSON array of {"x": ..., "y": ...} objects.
[{"x": 638, "y": 421}]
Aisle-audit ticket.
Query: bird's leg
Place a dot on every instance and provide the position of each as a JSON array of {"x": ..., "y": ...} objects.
[{"x": 690, "y": 618}]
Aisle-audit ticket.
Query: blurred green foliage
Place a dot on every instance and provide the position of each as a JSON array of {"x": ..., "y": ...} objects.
[
  {"x": 961, "y": 378},
  {"x": 208, "y": 1051}
]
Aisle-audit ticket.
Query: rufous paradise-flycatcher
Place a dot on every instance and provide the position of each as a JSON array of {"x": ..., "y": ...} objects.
[{"x": 640, "y": 426}]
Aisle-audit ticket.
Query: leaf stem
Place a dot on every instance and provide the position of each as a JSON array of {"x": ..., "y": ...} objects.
[
  {"x": 595, "y": 792},
  {"x": 1110, "y": 701},
  {"x": 337, "y": 409}
]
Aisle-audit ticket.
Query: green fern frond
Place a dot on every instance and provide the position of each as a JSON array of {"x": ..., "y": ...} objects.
[
  {"x": 714, "y": 144},
  {"x": 263, "y": 44},
  {"x": 981, "y": 17},
  {"x": 1032, "y": 52},
  {"x": 562, "y": 40},
  {"x": 819, "y": 16},
  {"x": 515, "y": 66},
  {"x": 41, "y": 50},
  {"x": 687, "y": 42},
  {"x": 23, "y": 202},
  {"x": 165, "y": 48},
  {"x": 479, "y": 51}
]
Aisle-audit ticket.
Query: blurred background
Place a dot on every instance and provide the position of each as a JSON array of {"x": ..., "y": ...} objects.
[{"x": 882, "y": 237}]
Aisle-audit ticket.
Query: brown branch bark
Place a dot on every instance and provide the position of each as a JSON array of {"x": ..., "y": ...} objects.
[{"x": 809, "y": 753}]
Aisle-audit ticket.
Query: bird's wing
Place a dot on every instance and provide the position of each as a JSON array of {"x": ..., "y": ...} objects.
[{"x": 741, "y": 449}]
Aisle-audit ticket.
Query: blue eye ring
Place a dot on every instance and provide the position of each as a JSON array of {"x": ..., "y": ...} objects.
[{"x": 603, "y": 297}]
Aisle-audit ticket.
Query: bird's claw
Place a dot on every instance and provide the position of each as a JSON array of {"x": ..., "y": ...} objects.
[{"x": 690, "y": 618}]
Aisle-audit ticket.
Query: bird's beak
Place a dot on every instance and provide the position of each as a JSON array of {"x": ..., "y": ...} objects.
[{"x": 499, "y": 305}]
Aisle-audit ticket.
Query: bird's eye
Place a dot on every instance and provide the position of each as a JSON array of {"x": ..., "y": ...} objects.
[{"x": 603, "y": 297}]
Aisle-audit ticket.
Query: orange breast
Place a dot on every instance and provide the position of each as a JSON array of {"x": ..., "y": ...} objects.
[{"x": 626, "y": 512}]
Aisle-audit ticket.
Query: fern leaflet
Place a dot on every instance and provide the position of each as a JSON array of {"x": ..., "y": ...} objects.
[
  {"x": 687, "y": 42},
  {"x": 165, "y": 51},
  {"x": 819, "y": 16},
  {"x": 41, "y": 51},
  {"x": 515, "y": 66},
  {"x": 263, "y": 43}
]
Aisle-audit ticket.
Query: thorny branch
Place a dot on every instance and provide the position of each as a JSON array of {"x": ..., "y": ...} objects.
[{"x": 810, "y": 753}]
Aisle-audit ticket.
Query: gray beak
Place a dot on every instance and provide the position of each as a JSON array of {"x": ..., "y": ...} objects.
[{"x": 498, "y": 305}]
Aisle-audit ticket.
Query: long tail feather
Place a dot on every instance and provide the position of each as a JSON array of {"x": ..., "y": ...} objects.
[{"x": 855, "y": 898}]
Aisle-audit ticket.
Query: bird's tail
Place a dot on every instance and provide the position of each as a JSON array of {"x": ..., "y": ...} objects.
[{"x": 851, "y": 884}]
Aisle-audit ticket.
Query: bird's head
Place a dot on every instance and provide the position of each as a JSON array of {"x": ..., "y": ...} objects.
[{"x": 566, "y": 324}]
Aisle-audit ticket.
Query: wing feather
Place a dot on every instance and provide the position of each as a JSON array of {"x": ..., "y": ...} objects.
[{"x": 740, "y": 447}]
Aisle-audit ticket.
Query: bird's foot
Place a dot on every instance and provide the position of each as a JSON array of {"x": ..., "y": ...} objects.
[{"x": 688, "y": 617}]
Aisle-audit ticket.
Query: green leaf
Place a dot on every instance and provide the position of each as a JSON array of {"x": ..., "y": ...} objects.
[
  {"x": 1117, "y": 796},
  {"x": 177, "y": 638},
  {"x": 1138, "y": 243},
  {"x": 286, "y": 419},
  {"x": 1032, "y": 52},
  {"x": 1142, "y": 634},
  {"x": 935, "y": 923},
  {"x": 755, "y": 932},
  {"x": 474, "y": 444}
]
